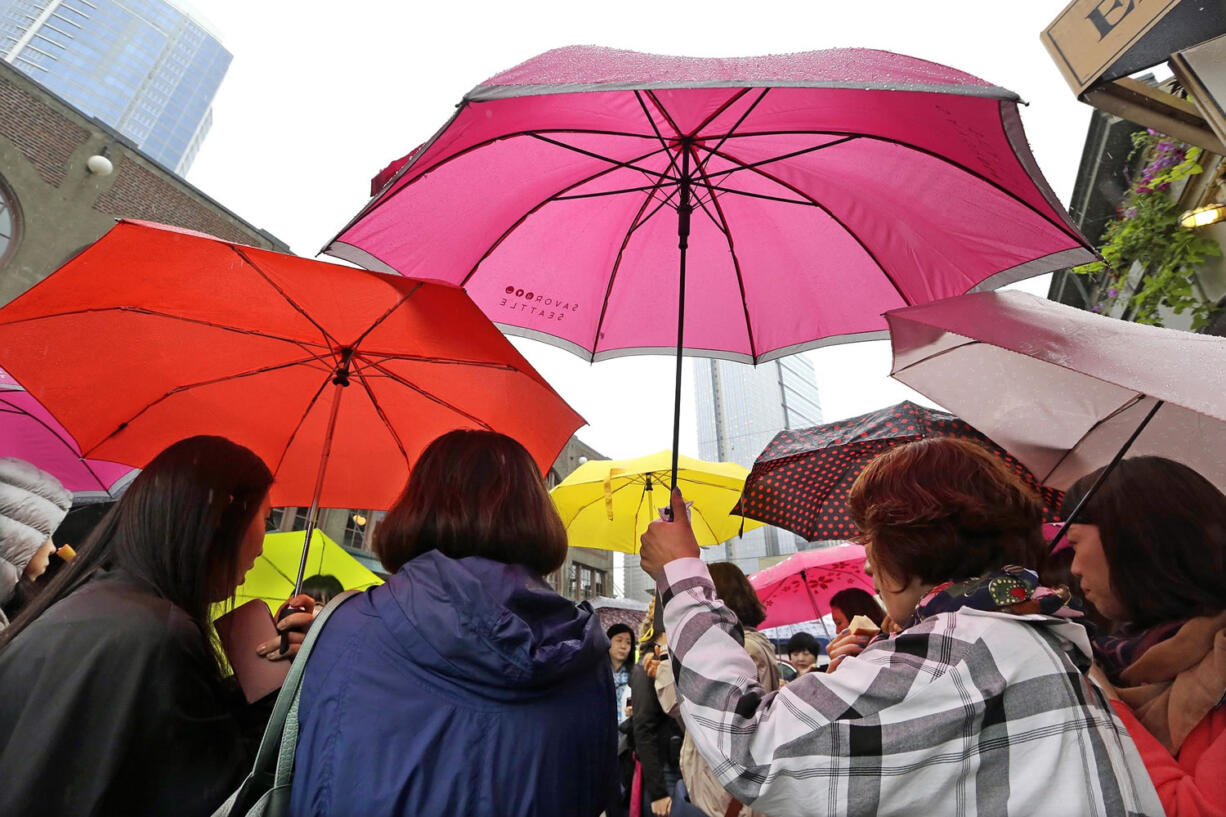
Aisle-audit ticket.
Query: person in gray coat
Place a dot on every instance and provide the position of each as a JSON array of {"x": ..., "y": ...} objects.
[{"x": 32, "y": 505}]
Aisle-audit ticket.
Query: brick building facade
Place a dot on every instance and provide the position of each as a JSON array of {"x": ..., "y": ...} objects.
[{"x": 52, "y": 205}]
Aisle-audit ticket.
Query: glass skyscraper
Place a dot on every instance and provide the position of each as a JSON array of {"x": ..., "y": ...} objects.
[
  {"x": 144, "y": 67},
  {"x": 740, "y": 408}
]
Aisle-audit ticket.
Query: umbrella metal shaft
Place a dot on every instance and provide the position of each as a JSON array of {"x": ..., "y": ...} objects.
[
  {"x": 685, "y": 208},
  {"x": 340, "y": 381}
]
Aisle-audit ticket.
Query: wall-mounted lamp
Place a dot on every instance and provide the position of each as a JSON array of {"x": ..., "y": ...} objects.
[
  {"x": 1203, "y": 216},
  {"x": 100, "y": 164},
  {"x": 360, "y": 519},
  {"x": 582, "y": 460}
]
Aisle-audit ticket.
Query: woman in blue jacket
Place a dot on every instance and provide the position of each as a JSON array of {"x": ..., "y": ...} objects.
[{"x": 465, "y": 685}]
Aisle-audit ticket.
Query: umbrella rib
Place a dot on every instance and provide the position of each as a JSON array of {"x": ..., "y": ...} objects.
[
  {"x": 378, "y": 321},
  {"x": 702, "y": 205},
  {"x": 664, "y": 111},
  {"x": 732, "y": 191},
  {"x": 833, "y": 217},
  {"x": 1134, "y": 400},
  {"x": 664, "y": 202},
  {"x": 736, "y": 262},
  {"x": 621, "y": 191},
  {"x": 637, "y": 539},
  {"x": 301, "y": 344},
  {"x": 941, "y": 353},
  {"x": 200, "y": 384},
  {"x": 328, "y": 339},
  {"x": 532, "y": 211},
  {"x": 617, "y": 262},
  {"x": 630, "y": 165},
  {"x": 280, "y": 572},
  {"x": 372, "y": 358},
  {"x": 940, "y": 158},
  {"x": 372, "y": 206},
  {"x": 433, "y": 398},
  {"x": 382, "y": 415},
  {"x": 725, "y": 105},
  {"x": 702, "y": 166},
  {"x": 724, "y": 174},
  {"x": 703, "y": 517},
  {"x": 298, "y": 427},
  {"x": 672, "y": 160},
  {"x": 70, "y": 444},
  {"x": 625, "y": 484}
]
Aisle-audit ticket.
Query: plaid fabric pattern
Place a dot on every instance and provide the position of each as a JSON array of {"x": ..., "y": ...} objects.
[{"x": 967, "y": 713}]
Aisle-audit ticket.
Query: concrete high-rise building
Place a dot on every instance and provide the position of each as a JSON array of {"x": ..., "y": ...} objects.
[
  {"x": 739, "y": 409},
  {"x": 144, "y": 67}
]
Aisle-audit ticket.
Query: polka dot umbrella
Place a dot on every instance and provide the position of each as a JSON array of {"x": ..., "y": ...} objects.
[{"x": 801, "y": 480}]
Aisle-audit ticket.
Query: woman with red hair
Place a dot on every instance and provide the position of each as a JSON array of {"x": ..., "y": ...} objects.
[{"x": 980, "y": 705}]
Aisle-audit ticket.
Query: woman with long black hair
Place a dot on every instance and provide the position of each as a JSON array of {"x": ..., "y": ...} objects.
[
  {"x": 1150, "y": 553},
  {"x": 112, "y": 700}
]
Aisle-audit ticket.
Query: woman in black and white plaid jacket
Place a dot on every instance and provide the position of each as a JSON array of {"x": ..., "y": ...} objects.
[{"x": 980, "y": 706}]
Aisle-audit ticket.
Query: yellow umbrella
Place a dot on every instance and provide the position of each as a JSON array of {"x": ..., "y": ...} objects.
[
  {"x": 607, "y": 504},
  {"x": 272, "y": 577}
]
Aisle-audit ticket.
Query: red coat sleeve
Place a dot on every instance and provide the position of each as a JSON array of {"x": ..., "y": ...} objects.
[{"x": 1193, "y": 784}]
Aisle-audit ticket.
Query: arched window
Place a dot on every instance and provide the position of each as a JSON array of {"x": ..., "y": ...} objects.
[{"x": 10, "y": 223}]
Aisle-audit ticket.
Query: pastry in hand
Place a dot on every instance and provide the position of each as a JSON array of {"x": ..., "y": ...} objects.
[{"x": 863, "y": 625}]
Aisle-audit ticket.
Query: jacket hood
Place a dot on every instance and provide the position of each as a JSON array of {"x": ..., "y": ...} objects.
[
  {"x": 33, "y": 503},
  {"x": 489, "y": 624}
]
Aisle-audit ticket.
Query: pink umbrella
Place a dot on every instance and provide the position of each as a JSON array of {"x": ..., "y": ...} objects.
[
  {"x": 28, "y": 431},
  {"x": 800, "y": 587},
  {"x": 1064, "y": 390},
  {"x": 803, "y": 195}
]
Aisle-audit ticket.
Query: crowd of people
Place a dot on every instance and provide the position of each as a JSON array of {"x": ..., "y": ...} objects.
[{"x": 465, "y": 685}]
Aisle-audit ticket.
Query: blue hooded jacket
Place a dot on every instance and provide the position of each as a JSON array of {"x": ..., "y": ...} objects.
[{"x": 460, "y": 687}]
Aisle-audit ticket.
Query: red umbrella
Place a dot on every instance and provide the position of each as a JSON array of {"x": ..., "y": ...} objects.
[
  {"x": 154, "y": 334},
  {"x": 801, "y": 480},
  {"x": 800, "y": 587}
]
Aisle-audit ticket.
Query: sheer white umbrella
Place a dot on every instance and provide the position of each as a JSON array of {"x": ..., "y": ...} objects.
[{"x": 1064, "y": 390}]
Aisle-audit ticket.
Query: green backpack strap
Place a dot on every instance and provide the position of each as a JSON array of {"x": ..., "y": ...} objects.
[{"x": 267, "y": 788}]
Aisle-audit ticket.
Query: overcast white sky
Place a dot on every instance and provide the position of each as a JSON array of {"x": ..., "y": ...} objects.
[{"x": 321, "y": 95}]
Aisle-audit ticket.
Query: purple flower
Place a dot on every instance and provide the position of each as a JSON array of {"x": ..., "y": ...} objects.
[
  {"x": 1113, "y": 293},
  {"x": 1096, "y": 308},
  {"x": 1131, "y": 212}
]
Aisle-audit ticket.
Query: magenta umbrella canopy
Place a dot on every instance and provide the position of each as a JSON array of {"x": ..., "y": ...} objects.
[
  {"x": 28, "y": 431},
  {"x": 827, "y": 187},
  {"x": 800, "y": 587}
]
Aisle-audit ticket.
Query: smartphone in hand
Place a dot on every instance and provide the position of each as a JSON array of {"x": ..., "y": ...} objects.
[{"x": 241, "y": 631}]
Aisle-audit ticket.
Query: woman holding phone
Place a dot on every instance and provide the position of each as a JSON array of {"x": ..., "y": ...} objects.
[{"x": 113, "y": 697}]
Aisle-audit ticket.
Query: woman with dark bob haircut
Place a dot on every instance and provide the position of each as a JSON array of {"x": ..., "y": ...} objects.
[
  {"x": 465, "y": 684},
  {"x": 979, "y": 705},
  {"x": 113, "y": 701},
  {"x": 1150, "y": 553}
]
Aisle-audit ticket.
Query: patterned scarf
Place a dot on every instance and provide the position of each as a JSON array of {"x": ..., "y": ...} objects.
[
  {"x": 1011, "y": 589},
  {"x": 1117, "y": 653}
]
